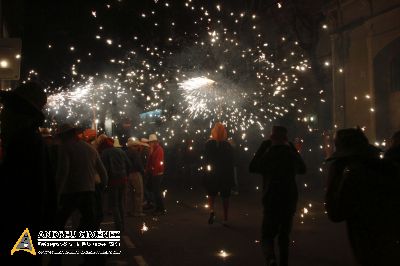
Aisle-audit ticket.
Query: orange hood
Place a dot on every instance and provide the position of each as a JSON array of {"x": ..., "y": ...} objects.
[{"x": 219, "y": 132}]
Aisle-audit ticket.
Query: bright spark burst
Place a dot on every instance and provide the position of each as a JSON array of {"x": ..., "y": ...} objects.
[
  {"x": 198, "y": 92},
  {"x": 196, "y": 83},
  {"x": 88, "y": 101},
  {"x": 144, "y": 228}
]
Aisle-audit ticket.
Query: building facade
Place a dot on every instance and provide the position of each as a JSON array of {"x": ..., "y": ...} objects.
[{"x": 365, "y": 49}]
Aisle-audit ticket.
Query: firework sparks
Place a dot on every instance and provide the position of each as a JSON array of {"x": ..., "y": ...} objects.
[
  {"x": 196, "y": 83},
  {"x": 198, "y": 92},
  {"x": 225, "y": 73},
  {"x": 144, "y": 228}
]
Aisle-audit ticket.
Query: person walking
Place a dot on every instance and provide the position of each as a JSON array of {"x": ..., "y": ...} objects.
[
  {"x": 155, "y": 171},
  {"x": 117, "y": 165},
  {"x": 278, "y": 162},
  {"x": 363, "y": 190},
  {"x": 135, "y": 178},
  {"x": 219, "y": 177}
]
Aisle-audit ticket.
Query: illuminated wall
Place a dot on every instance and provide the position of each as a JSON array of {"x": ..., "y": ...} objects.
[{"x": 365, "y": 39}]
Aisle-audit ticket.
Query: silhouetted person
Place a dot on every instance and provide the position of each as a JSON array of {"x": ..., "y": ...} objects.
[
  {"x": 118, "y": 166},
  {"x": 278, "y": 161},
  {"x": 219, "y": 169},
  {"x": 99, "y": 187},
  {"x": 363, "y": 190},
  {"x": 155, "y": 171},
  {"x": 78, "y": 165},
  {"x": 136, "y": 174},
  {"x": 393, "y": 153},
  {"x": 28, "y": 194}
]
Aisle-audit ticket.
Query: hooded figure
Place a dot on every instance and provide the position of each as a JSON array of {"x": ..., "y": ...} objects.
[
  {"x": 363, "y": 190},
  {"x": 218, "y": 132},
  {"x": 28, "y": 185},
  {"x": 278, "y": 161},
  {"x": 219, "y": 169}
]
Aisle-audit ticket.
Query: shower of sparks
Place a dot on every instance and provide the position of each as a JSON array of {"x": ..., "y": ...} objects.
[
  {"x": 87, "y": 101},
  {"x": 227, "y": 72},
  {"x": 196, "y": 83},
  {"x": 198, "y": 93}
]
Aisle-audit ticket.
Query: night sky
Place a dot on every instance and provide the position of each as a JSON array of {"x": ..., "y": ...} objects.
[
  {"x": 70, "y": 23},
  {"x": 198, "y": 61}
]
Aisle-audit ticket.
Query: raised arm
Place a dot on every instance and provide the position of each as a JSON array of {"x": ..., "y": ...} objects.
[{"x": 254, "y": 166}]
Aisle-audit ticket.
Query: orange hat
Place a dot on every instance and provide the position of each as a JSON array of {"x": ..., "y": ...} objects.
[{"x": 219, "y": 132}]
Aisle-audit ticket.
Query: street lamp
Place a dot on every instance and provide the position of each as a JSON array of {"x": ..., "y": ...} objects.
[
  {"x": 4, "y": 63},
  {"x": 10, "y": 58}
]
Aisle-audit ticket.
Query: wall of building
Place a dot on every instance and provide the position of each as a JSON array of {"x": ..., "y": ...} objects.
[{"x": 363, "y": 41}]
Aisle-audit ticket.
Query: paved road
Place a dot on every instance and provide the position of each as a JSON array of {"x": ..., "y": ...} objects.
[{"x": 183, "y": 237}]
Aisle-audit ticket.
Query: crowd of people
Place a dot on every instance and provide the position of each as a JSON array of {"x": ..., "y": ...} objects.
[
  {"x": 87, "y": 169},
  {"x": 47, "y": 178},
  {"x": 51, "y": 177}
]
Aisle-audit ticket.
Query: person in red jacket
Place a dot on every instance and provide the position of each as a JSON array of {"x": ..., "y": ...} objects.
[{"x": 155, "y": 172}]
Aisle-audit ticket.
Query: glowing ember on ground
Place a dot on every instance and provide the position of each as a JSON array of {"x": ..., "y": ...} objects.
[
  {"x": 144, "y": 228},
  {"x": 223, "y": 254}
]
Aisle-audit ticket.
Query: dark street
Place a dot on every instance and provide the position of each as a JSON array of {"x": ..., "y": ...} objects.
[{"x": 183, "y": 237}]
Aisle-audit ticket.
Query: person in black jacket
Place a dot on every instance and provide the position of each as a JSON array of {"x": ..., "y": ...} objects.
[
  {"x": 28, "y": 189},
  {"x": 363, "y": 190},
  {"x": 278, "y": 161},
  {"x": 219, "y": 169}
]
